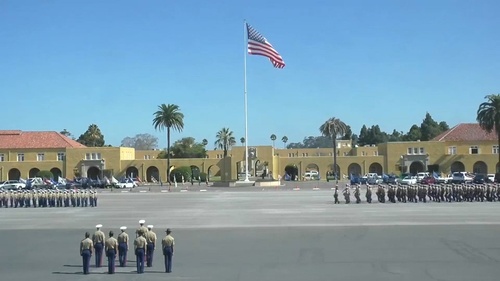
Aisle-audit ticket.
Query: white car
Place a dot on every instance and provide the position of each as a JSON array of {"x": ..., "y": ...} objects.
[
  {"x": 461, "y": 177},
  {"x": 125, "y": 184},
  {"x": 445, "y": 179},
  {"x": 12, "y": 184},
  {"x": 409, "y": 180},
  {"x": 491, "y": 177},
  {"x": 421, "y": 176}
]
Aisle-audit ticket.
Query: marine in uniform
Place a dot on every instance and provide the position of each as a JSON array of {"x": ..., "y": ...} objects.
[
  {"x": 122, "y": 246},
  {"x": 98, "y": 239},
  {"x": 336, "y": 195},
  {"x": 111, "y": 248},
  {"x": 141, "y": 228},
  {"x": 139, "y": 247},
  {"x": 86, "y": 252},
  {"x": 167, "y": 244},
  {"x": 151, "y": 245}
]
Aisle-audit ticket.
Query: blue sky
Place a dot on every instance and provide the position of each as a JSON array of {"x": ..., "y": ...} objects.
[{"x": 68, "y": 64}]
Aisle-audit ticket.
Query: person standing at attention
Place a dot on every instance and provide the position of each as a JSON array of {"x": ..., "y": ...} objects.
[{"x": 168, "y": 250}]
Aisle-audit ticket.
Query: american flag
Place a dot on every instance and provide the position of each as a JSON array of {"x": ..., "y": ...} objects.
[{"x": 258, "y": 45}]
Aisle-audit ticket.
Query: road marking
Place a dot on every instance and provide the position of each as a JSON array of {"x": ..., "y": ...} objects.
[
  {"x": 316, "y": 188},
  {"x": 143, "y": 191},
  {"x": 203, "y": 190},
  {"x": 183, "y": 190},
  {"x": 297, "y": 188},
  {"x": 124, "y": 191},
  {"x": 163, "y": 191}
]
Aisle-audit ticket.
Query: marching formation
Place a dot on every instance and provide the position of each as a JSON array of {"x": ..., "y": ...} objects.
[
  {"x": 144, "y": 248},
  {"x": 423, "y": 193},
  {"x": 47, "y": 198}
]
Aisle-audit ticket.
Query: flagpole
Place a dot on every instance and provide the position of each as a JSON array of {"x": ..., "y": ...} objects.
[{"x": 245, "y": 38}]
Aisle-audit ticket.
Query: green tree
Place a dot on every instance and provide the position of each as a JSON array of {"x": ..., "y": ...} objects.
[
  {"x": 273, "y": 138},
  {"x": 444, "y": 126},
  {"x": 333, "y": 128},
  {"x": 429, "y": 128},
  {"x": 242, "y": 140},
  {"x": 141, "y": 142},
  {"x": 92, "y": 137},
  {"x": 186, "y": 148},
  {"x": 284, "y": 139},
  {"x": 224, "y": 140},
  {"x": 204, "y": 142},
  {"x": 44, "y": 174},
  {"x": 348, "y": 133},
  {"x": 168, "y": 117},
  {"x": 488, "y": 117},
  {"x": 395, "y": 136},
  {"x": 363, "y": 136},
  {"x": 414, "y": 134}
]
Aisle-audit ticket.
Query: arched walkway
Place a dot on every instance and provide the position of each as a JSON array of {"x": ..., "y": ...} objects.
[
  {"x": 33, "y": 172},
  {"x": 457, "y": 166},
  {"x": 376, "y": 168},
  {"x": 330, "y": 168},
  {"x": 354, "y": 169},
  {"x": 416, "y": 167},
  {"x": 195, "y": 172},
  {"x": 93, "y": 173},
  {"x": 132, "y": 172},
  {"x": 14, "y": 174},
  {"x": 153, "y": 174},
  {"x": 312, "y": 167},
  {"x": 291, "y": 172},
  {"x": 480, "y": 168},
  {"x": 56, "y": 172}
]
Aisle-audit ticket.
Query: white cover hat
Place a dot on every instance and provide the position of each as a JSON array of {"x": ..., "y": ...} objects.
[
  {"x": 98, "y": 226},
  {"x": 142, "y": 221},
  {"x": 150, "y": 226},
  {"x": 123, "y": 228}
]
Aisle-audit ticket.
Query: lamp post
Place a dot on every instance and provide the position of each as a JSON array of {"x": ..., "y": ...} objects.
[{"x": 402, "y": 165}]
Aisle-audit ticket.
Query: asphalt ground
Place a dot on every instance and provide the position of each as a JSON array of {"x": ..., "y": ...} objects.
[{"x": 270, "y": 234}]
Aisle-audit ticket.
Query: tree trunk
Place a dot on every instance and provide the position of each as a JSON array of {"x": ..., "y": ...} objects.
[
  {"x": 335, "y": 160},
  {"x": 225, "y": 150},
  {"x": 168, "y": 155}
]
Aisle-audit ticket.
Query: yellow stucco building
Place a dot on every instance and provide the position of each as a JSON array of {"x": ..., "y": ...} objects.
[{"x": 465, "y": 147}]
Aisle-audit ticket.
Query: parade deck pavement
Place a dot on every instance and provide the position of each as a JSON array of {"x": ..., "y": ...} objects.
[{"x": 262, "y": 235}]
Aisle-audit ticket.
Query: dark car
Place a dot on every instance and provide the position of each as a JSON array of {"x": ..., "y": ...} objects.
[
  {"x": 428, "y": 180},
  {"x": 481, "y": 179}
]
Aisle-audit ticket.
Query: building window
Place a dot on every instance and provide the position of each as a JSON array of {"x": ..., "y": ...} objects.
[
  {"x": 410, "y": 150},
  {"x": 147, "y": 157},
  {"x": 363, "y": 153},
  {"x": 452, "y": 150},
  {"x": 415, "y": 150},
  {"x": 474, "y": 149},
  {"x": 40, "y": 157},
  {"x": 61, "y": 156},
  {"x": 2, "y": 157},
  {"x": 20, "y": 157},
  {"x": 495, "y": 150},
  {"x": 375, "y": 153},
  {"x": 422, "y": 150}
]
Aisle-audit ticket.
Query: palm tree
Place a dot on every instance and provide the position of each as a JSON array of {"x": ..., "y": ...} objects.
[
  {"x": 168, "y": 117},
  {"x": 273, "y": 138},
  {"x": 225, "y": 140},
  {"x": 333, "y": 128},
  {"x": 204, "y": 142},
  {"x": 242, "y": 140},
  {"x": 284, "y": 140},
  {"x": 488, "y": 116}
]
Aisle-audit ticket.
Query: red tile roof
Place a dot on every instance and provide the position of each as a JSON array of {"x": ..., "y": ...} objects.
[
  {"x": 18, "y": 139},
  {"x": 466, "y": 132}
]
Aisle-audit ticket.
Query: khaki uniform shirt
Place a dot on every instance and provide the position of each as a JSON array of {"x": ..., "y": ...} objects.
[
  {"x": 123, "y": 238},
  {"x": 140, "y": 243},
  {"x": 86, "y": 244},
  {"x": 111, "y": 244},
  {"x": 98, "y": 237},
  {"x": 168, "y": 241},
  {"x": 144, "y": 230},
  {"x": 151, "y": 237}
]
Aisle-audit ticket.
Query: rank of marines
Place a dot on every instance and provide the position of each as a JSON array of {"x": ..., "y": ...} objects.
[
  {"x": 42, "y": 198},
  {"x": 394, "y": 193}
]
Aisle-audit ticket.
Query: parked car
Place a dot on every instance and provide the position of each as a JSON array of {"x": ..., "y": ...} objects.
[
  {"x": 444, "y": 179},
  {"x": 428, "y": 180},
  {"x": 422, "y": 175},
  {"x": 12, "y": 183},
  {"x": 461, "y": 177},
  {"x": 409, "y": 180},
  {"x": 127, "y": 183},
  {"x": 491, "y": 177},
  {"x": 481, "y": 179}
]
